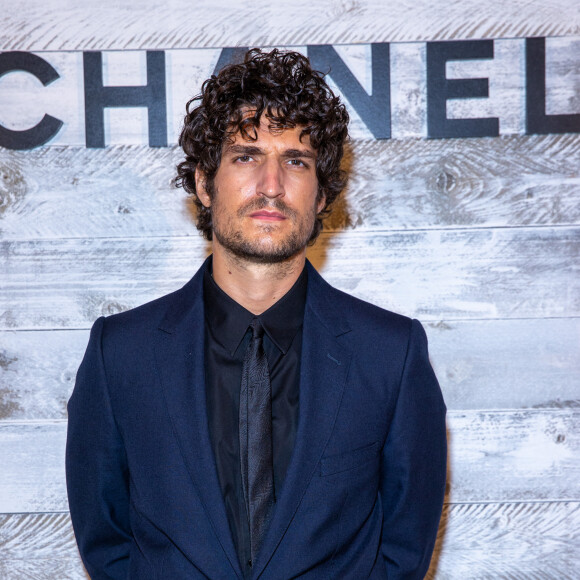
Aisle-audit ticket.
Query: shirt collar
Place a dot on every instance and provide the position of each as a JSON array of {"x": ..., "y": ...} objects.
[{"x": 229, "y": 320}]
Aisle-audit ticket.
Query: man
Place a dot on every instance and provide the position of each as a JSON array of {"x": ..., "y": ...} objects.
[{"x": 258, "y": 423}]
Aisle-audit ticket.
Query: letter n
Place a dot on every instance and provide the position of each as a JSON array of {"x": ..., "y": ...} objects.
[{"x": 375, "y": 109}]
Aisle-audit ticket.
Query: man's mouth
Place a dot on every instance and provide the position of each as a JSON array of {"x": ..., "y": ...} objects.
[{"x": 266, "y": 215}]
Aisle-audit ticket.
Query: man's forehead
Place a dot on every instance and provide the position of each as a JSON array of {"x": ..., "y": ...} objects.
[{"x": 264, "y": 131}]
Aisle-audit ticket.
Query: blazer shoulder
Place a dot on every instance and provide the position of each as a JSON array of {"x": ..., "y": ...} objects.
[{"x": 148, "y": 313}]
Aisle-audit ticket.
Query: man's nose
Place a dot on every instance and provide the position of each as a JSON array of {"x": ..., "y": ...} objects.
[{"x": 271, "y": 179}]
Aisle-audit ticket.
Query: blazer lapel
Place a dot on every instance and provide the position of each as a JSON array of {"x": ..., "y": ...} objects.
[
  {"x": 324, "y": 368},
  {"x": 180, "y": 361}
]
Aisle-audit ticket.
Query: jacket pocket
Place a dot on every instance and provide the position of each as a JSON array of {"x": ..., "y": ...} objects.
[{"x": 348, "y": 460}]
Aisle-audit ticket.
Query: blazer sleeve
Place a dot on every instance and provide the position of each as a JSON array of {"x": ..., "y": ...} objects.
[
  {"x": 413, "y": 466},
  {"x": 96, "y": 470}
]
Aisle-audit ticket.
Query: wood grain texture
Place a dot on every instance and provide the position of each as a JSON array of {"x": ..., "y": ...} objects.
[
  {"x": 507, "y": 364},
  {"x": 29, "y": 568},
  {"x": 40, "y": 547},
  {"x": 37, "y": 372},
  {"x": 487, "y": 274},
  {"x": 32, "y": 459},
  {"x": 127, "y": 190},
  {"x": 508, "y": 181},
  {"x": 495, "y": 364},
  {"x": 513, "y": 541},
  {"x": 521, "y": 541},
  {"x": 61, "y": 25},
  {"x": 513, "y": 456},
  {"x": 121, "y": 191},
  {"x": 433, "y": 275},
  {"x": 494, "y": 456}
]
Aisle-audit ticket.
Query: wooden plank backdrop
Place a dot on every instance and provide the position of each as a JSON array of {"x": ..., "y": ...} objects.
[
  {"x": 73, "y": 192},
  {"x": 479, "y": 238},
  {"x": 63, "y": 25},
  {"x": 480, "y": 273}
]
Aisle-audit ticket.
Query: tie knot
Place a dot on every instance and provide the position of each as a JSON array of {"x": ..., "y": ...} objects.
[{"x": 257, "y": 328}]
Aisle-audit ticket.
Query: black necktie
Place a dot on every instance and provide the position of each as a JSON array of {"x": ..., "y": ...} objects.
[{"x": 256, "y": 438}]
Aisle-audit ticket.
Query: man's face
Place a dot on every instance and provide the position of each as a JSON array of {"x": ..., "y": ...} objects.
[{"x": 264, "y": 195}]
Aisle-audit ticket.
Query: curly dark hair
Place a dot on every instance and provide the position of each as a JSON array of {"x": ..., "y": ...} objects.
[{"x": 281, "y": 84}]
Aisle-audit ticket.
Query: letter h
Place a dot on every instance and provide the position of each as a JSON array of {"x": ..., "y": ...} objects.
[{"x": 98, "y": 97}]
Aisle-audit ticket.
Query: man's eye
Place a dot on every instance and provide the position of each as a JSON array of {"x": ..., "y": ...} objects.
[
  {"x": 297, "y": 162},
  {"x": 243, "y": 159}
]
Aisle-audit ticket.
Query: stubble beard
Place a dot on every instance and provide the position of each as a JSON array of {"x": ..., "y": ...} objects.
[{"x": 232, "y": 238}]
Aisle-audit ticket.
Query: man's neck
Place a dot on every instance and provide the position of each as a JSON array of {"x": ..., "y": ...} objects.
[{"x": 255, "y": 286}]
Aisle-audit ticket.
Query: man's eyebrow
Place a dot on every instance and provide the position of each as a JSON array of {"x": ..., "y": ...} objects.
[
  {"x": 244, "y": 150},
  {"x": 250, "y": 150},
  {"x": 293, "y": 153}
]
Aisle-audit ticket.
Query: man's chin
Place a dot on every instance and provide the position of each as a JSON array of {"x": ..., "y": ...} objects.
[
  {"x": 265, "y": 256},
  {"x": 266, "y": 252}
]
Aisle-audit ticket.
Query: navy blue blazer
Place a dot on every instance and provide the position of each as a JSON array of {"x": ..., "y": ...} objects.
[{"x": 364, "y": 490}]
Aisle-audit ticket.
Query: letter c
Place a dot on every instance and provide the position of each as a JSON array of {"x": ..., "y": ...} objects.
[{"x": 49, "y": 126}]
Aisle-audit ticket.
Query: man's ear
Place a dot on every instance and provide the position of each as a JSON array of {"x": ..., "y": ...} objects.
[
  {"x": 200, "y": 189},
  {"x": 321, "y": 204}
]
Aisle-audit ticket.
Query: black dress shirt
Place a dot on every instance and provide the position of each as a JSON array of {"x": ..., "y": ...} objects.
[{"x": 226, "y": 338}]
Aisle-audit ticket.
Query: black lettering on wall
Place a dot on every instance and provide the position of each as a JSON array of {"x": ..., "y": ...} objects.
[
  {"x": 375, "y": 109},
  {"x": 537, "y": 122},
  {"x": 230, "y": 56},
  {"x": 48, "y": 126},
  {"x": 440, "y": 89},
  {"x": 99, "y": 97}
]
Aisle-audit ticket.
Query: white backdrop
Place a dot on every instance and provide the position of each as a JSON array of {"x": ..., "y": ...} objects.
[{"x": 477, "y": 237}]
